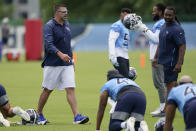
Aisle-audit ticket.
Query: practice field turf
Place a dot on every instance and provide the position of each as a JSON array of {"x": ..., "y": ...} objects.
[{"x": 23, "y": 84}]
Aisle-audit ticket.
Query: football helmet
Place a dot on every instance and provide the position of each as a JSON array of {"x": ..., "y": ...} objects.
[
  {"x": 159, "y": 125},
  {"x": 130, "y": 20},
  {"x": 132, "y": 73},
  {"x": 33, "y": 117}
]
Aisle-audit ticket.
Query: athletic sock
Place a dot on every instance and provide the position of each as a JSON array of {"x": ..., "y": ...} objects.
[
  {"x": 162, "y": 105},
  {"x": 123, "y": 125}
]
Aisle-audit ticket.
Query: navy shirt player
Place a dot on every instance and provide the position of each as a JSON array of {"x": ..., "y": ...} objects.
[
  {"x": 171, "y": 48},
  {"x": 130, "y": 106},
  {"x": 153, "y": 36},
  {"x": 57, "y": 64},
  {"x": 8, "y": 111},
  {"x": 183, "y": 97}
]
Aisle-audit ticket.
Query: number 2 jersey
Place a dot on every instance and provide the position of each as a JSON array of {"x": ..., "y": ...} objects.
[
  {"x": 118, "y": 86},
  {"x": 182, "y": 94}
]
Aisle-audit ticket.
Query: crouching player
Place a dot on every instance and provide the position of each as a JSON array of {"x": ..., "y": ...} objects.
[
  {"x": 131, "y": 103},
  {"x": 8, "y": 111},
  {"x": 183, "y": 97}
]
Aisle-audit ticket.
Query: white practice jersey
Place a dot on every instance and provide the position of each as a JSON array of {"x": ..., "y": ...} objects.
[
  {"x": 156, "y": 30},
  {"x": 118, "y": 40}
]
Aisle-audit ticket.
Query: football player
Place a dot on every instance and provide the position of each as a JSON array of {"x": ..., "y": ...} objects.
[
  {"x": 7, "y": 110},
  {"x": 130, "y": 106},
  {"x": 184, "y": 97},
  {"x": 153, "y": 36},
  {"x": 118, "y": 42}
]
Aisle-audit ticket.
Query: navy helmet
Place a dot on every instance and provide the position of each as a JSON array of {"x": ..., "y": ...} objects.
[
  {"x": 159, "y": 125},
  {"x": 33, "y": 117},
  {"x": 132, "y": 73}
]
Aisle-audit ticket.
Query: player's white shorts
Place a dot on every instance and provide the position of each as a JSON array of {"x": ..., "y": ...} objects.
[{"x": 59, "y": 77}]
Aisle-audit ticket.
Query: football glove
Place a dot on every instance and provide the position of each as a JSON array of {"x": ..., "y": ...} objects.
[
  {"x": 112, "y": 104},
  {"x": 113, "y": 59},
  {"x": 141, "y": 27},
  {"x": 5, "y": 122}
]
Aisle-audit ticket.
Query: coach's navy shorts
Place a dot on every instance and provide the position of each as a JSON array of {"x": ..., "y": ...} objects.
[
  {"x": 190, "y": 113},
  {"x": 130, "y": 104},
  {"x": 3, "y": 96},
  {"x": 169, "y": 74}
]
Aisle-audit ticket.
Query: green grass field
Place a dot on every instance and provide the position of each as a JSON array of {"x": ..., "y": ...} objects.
[{"x": 23, "y": 84}]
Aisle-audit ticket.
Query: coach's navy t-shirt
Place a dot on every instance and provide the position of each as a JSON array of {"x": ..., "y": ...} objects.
[
  {"x": 56, "y": 38},
  {"x": 170, "y": 37}
]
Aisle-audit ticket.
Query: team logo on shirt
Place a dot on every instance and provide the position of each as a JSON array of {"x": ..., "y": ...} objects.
[{"x": 67, "y": 28}]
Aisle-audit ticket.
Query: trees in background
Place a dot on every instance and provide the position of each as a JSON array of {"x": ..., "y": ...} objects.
[
  {"x": 6, "y": 9},
  {"x": 105, "y": 10}
]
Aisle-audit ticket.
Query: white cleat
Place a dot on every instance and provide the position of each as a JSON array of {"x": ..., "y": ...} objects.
[
  {"x": 19, "y": 111},
  {"x": 5, "y": 122},
  {"x": 143, "y": 126},
  {"x": 130, "y": 124},
  {"x": 157, "y": 111}
]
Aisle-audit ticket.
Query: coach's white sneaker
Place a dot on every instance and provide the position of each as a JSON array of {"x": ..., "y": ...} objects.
[
  {"x": 143, "y": 126},
  {"x": 19, "y": 111},
  {"x": 130, "y": 124},
  {"x": 5, "y": 122}
]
